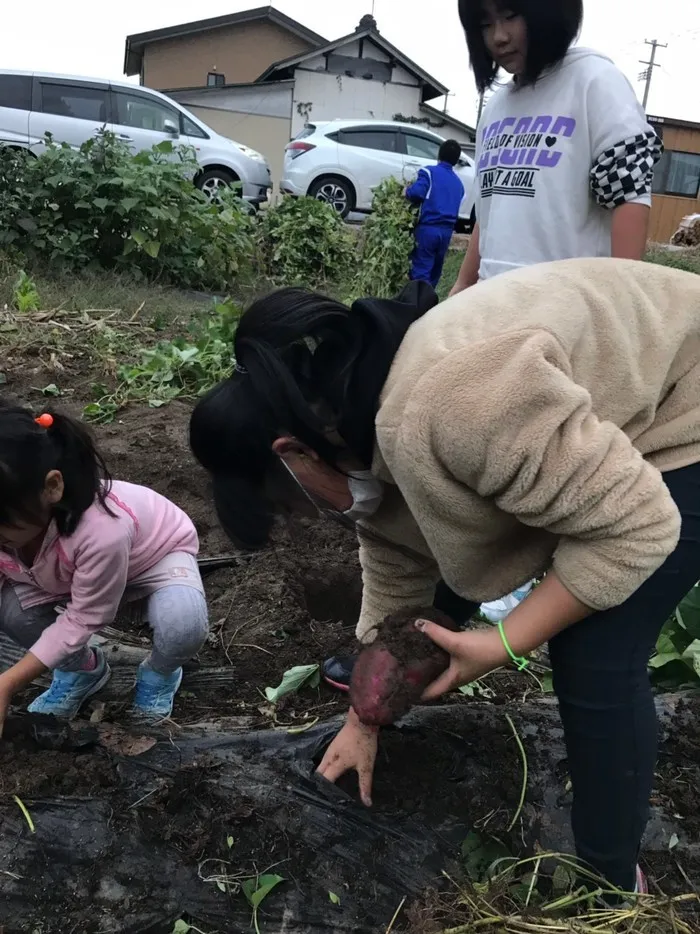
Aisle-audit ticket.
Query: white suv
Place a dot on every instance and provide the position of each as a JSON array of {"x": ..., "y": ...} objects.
[
  {"x": 74, "y": 109},
  {"x": 343, "y": 161}
]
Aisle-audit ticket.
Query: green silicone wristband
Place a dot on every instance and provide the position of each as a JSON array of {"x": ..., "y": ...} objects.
[{"x": 520, "y": 662}]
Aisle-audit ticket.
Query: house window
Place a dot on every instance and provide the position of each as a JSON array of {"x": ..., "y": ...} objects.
[
  {"x": 678, "y": 173},
  {"x": 215, "y": 80}
]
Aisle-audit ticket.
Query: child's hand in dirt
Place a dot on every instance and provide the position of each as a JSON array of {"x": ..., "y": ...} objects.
[
  {"x": 355, "y": 747},
  {"x": 473, "y": 654}
]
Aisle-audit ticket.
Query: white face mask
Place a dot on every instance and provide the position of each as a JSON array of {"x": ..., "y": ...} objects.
[{"x": 367, "y": 493}]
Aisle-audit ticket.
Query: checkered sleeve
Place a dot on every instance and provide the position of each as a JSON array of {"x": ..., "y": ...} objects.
[{"x": 624, "y": 172}]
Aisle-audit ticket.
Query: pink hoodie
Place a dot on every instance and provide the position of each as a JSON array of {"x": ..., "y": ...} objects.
[{"x": 94, "y": 565}]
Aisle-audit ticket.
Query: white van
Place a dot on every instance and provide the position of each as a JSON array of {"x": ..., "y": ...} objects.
[{"x": 74, "y": 109}]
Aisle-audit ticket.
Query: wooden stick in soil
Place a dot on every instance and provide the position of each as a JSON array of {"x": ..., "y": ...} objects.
[{"x": 396, "y": 915}]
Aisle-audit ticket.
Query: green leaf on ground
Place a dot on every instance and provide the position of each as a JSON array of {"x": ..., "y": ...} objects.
[
  {"x": 547, "y": 683},
  {"x": 293, "y": 680},
  {"x": 479, "y": 852},
  {"x": 256, "y": 890}
]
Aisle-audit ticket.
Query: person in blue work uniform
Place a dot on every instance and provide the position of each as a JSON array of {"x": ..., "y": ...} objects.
[{"x": 439, "y": 191}]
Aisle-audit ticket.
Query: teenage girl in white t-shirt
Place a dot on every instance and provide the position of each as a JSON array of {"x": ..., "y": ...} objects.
[{"x": 564, "y": 153}]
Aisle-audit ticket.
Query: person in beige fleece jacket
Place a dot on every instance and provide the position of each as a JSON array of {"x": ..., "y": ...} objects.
[{"x": 544, "y": 422}]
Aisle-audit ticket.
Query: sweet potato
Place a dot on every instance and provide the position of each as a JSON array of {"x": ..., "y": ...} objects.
[{"x": 391, "y": 674}]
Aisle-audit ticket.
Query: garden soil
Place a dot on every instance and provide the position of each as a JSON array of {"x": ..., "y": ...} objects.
[{"x": 133, "y": 830}]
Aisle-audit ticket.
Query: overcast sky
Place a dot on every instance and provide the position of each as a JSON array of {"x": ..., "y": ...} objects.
[{"x": 82, "y": 37}]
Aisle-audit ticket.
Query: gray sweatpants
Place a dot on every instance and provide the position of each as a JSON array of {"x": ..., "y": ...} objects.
[{"x": 176, "y": 614}]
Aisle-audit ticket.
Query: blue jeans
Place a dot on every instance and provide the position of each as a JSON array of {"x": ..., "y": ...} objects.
[
  {"x": 432, "y": 244},
  {"x": 605, "y": 698}
]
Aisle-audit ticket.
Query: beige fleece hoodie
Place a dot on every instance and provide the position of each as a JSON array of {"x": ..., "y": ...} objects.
[{"x": 525, "y": 424}]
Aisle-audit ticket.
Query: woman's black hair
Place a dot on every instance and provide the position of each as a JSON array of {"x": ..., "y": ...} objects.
[
  {"x": 28, "y": 452},
  {"x": 552, "y": 25},
  {"x": 307, "y": 366}
]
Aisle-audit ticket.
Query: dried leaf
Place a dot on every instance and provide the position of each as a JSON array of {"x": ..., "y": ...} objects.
[{"x": 125, "y": 744}]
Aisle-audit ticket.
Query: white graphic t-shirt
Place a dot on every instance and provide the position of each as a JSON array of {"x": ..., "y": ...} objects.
[{"x": 555, "y": 158}]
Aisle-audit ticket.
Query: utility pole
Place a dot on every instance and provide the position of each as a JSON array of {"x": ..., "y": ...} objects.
[{"x": 648, "y": 72}]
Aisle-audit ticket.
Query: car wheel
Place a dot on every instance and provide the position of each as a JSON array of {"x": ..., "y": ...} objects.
[
  {"x": 336, "y": 192},
  {"x": 212, "y": 181}
]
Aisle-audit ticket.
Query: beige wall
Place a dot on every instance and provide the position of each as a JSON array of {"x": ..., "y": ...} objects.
[
  {"x": 241, "y": 53},
  {"x": 268, "y": 135},
  {"x": 667, "y": 211}
]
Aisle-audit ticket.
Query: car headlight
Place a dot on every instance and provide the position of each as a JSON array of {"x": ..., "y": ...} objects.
[{"x": 251, "y": 153}]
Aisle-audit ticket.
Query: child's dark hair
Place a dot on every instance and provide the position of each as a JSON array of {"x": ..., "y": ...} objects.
[
  {"x": 551, "y": 28},
  {"x": 450, "y": 152},
  {"x": 28, "y": 452}
]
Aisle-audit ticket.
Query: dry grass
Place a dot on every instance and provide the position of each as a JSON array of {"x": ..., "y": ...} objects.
[{"x": 511, "y": 902}]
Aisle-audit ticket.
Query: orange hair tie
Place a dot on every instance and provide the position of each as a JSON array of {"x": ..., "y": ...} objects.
[{"x": 45, "y": 420}]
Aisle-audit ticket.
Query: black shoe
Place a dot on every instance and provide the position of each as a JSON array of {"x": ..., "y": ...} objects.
[{"x": 337, "y": 671}]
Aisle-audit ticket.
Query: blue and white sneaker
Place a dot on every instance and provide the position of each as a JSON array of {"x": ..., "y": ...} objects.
[
  {"x": 70, "y": 689},
  {"x": 498, "y": 610},
  {"x": 155, "y": 693}
]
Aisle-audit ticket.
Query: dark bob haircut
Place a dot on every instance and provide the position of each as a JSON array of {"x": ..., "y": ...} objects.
[{"x": 552, "y": 25}]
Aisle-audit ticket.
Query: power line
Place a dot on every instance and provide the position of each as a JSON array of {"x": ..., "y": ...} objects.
[{"x": 648, "y": 72}]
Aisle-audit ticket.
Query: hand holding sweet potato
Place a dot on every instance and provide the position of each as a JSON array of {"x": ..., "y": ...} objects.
[{"x": 391, "y": 674}]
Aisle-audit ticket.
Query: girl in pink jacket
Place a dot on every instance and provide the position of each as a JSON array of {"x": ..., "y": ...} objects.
[{"x": 74, "y": 544}]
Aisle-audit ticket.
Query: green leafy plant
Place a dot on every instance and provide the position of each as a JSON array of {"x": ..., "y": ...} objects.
[
  {"x": 102, "y": 206},
  {"x": 185, "y": 367},
  {"x": 480, "y": 853},
  {"x": 387, "y": 241},
  {"x": 676, "y": 662},
  {"x": 182, "y": 927},
  {"x": 478, "y": 688},
  {"x": 25, "y": 295},
  {"x": 256, "y": 891},
  {"x": 293, "y": 680},
  {"x": 304, "y": 242}
]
